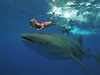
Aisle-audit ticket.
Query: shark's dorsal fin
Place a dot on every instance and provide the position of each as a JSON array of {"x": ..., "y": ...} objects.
[
  {"x": 80, "y": 40},
  {"x": 76, "y": 60}
]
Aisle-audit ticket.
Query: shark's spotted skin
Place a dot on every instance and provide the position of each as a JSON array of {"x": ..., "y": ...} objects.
[{"x": 57, "y": 47}]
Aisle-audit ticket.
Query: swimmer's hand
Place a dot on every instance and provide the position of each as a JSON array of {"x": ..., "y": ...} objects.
[
  {"x": 38, "y": 29},
  {"x": 41, "y": 27}
]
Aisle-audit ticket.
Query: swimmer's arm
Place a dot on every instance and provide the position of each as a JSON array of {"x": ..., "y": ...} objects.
[{"x": 41, "y": 27}]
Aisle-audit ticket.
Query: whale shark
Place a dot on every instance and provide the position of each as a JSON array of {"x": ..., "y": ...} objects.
[{"x": 58, "y": 47}]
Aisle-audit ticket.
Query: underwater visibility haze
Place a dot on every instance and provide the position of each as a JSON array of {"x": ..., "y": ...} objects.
[{"x": 17, "y": 59}]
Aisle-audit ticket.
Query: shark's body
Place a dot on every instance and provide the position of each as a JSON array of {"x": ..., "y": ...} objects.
[{"x": 57, "y": 47}]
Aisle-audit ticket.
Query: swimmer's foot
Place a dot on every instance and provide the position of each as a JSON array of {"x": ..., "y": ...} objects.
[{"x": 53, "y": 13}]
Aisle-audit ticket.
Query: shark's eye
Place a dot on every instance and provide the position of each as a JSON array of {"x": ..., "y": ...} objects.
[
  {"x": 43, "y": 43},
  {"x": 46, "y": 43}
]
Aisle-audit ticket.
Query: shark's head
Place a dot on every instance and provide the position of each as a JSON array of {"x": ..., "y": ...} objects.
[
  {"x": 48, "y": 45},
  {"x": 39, "y": 38}
]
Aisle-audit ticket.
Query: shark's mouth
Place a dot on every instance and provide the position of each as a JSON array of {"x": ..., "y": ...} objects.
[{"x": 26, "y": 38}]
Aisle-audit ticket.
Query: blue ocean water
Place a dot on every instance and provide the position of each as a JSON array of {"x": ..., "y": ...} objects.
[{"x": 18, "y": 59}]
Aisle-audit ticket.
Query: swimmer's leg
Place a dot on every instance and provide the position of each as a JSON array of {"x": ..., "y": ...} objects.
[
  {"x": 51, "y": 22},
  {"x": 52, "y": 19},
  {"x": 61, "y": 25}
]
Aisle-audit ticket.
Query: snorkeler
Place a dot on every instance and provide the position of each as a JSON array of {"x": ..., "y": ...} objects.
[
  {"x": 39, "y": 26},
  {"x": 67, "y": 29}
]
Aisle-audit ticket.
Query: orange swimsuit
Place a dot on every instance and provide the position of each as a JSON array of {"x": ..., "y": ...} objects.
[
  {"x": 39, "y": 26},
  {"x": 43, "y": 23}
]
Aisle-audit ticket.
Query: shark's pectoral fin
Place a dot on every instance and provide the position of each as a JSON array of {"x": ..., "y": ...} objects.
[{"x": 75, "y": 59}]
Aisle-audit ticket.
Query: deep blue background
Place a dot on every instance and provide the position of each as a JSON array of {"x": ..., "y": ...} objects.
[{"x": 17, "y": 59}]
